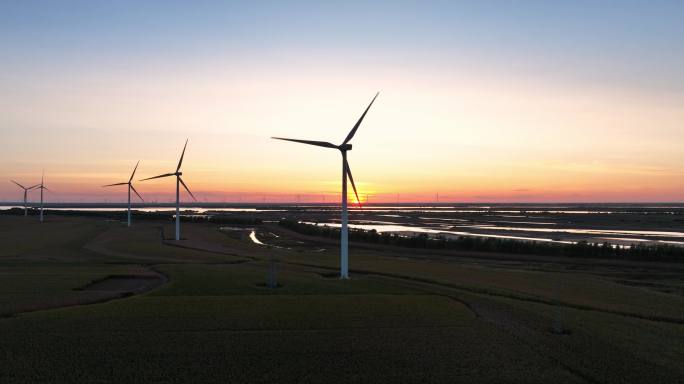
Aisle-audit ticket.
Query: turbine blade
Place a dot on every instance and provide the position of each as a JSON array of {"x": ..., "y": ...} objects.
[
  {"x": 353, "y": 131},
  {"x": 182, "y": 154},
  {"x": 160, "y": 176},
  {"x": 20, "y": 186},
  {"x": 186, "y": 188},
  {"x": 310, "y": 142},
  {"x": 134, "y": 169},
  {"x": 35, "y": 186},
  {"x": 111, "y": 185},
  {"x": 136, "y": 192},
  {"x": 351, "y": 178}
]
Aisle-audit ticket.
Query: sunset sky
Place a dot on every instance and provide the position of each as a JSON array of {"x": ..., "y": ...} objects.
[{"x": 487, "y": 101}]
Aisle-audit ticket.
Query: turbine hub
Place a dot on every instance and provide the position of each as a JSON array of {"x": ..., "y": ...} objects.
[
  {"x": 179, "y": 173},
  {"x": 345, "y": 147}
]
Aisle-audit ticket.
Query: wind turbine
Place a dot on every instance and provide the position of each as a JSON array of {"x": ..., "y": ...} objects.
[
  {"x": 346, "y": 171},
  {"x": 42, "y": 187},
  {"x": 130, "y": 187},
  {"x": 179, "y": 181},
  {"x": 26, "y": 189}
]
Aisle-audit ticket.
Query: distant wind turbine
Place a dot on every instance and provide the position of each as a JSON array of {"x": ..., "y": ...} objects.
[
  {"x": 130, "y": 187},
  {"x": 26, "y": 189},
  {"x": 179, "y": 181},
  {"x": 346, "y": 171},
  {"x": 42, "y": 188}
]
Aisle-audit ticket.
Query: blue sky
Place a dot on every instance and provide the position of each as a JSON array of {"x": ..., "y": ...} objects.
[{"x": 616, "y": 41}]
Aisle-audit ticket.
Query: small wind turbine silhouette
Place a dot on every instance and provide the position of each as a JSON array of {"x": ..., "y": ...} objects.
[
  {"x": 179, "y": 181},
  {"x": 130, "y": 187},
  {"x": 346, "y": 171},
  {"x": 42, "y": 188},
  {"x": 26, "y": 189}
]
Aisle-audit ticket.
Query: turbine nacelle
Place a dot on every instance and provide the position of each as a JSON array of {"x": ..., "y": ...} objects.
[
  {"x": 26, "y": 189},
  {"x": 344, "y": 147},
  {"x": 177, "y": 173},
  {"x": 129, "y": 183}
]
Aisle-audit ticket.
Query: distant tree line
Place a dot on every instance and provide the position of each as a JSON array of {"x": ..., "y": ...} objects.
[
  {"x": 222, "y": 219},
  {"x": 642, "y": 252},
  {"x": 141, "y": 215}
]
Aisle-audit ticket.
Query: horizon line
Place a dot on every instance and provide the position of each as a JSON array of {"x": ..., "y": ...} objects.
[{"x": 200, "y": 203}]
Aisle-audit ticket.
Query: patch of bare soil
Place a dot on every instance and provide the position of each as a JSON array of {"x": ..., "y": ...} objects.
[{"x": 125, "y": 283}]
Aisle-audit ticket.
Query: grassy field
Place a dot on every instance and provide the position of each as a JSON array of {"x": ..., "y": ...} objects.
[{"x": 209, "y": 317}]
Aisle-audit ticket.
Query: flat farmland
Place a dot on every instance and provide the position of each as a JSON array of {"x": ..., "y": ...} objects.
[{"x": 106, "y": 303}]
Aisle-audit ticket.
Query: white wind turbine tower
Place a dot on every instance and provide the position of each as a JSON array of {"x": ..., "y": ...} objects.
[
  {"x": 346, "y": 171},
  {"x": 26, "y": 189},
  {"x": 179, "y": 181},
  {"x": 130, "y": 187},
  {"x": 42, "y": 188}
]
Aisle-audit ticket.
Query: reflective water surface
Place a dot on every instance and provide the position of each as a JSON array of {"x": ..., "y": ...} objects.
[{"x": 622, "y": 224}]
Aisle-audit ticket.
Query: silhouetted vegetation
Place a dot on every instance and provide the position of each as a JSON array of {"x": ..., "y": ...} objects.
[
  {"x": 644, "y": 252},
  {"x": 141, "y": 215},
  {"x": 220, "y": 219}
]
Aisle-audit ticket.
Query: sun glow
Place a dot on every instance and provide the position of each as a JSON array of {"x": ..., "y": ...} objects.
[{"x": 451, "y": 120}]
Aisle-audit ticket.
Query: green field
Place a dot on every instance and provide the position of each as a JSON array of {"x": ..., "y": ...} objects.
[{"x": 87, "y": 300}]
